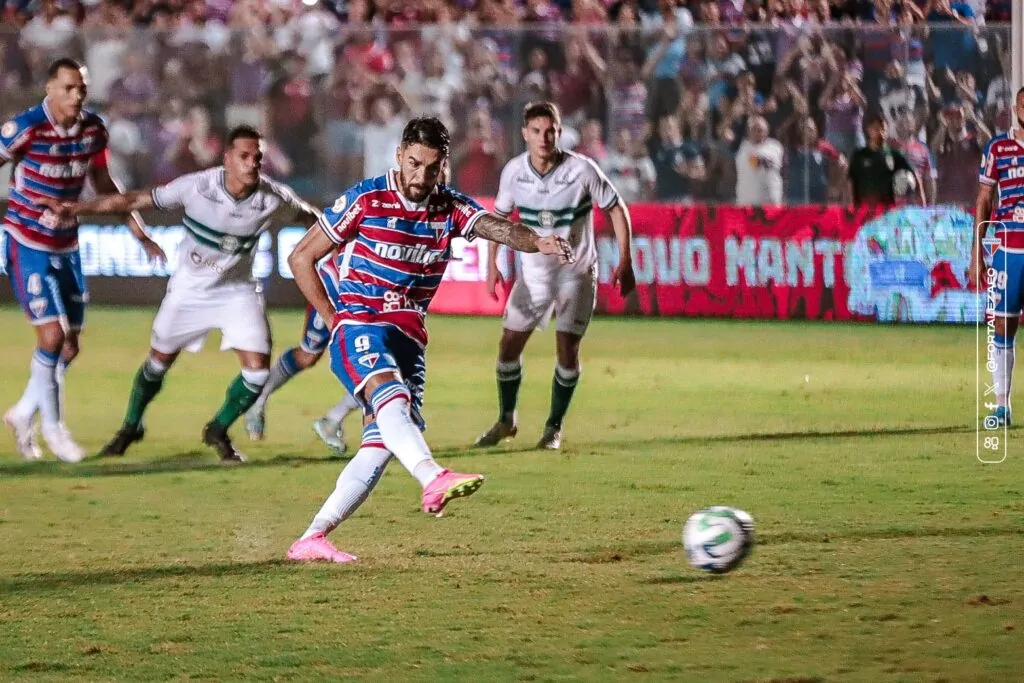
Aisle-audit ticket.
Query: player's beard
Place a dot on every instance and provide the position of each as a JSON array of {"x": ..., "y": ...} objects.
[{"x": 414, "y": 193}]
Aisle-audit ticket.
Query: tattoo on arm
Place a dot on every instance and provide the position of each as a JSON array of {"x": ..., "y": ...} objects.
[{"x": 514, "y": 235}]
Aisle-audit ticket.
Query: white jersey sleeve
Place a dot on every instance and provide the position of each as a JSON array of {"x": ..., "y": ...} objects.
[
  {"x": 599, "y": 186},
  {"x": 175, "y": 194},
  {"x": 504, "y": 204},
  {"x": 292, "y": 207}
]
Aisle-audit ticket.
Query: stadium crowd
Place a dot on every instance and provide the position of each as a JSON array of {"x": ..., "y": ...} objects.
[{"x": 749, "y": 101}]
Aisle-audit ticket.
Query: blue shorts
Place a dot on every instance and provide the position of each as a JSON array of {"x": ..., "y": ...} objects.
[
  {"x": 1008, "y": 284},
  {"x": 358, "y": 352},
  {"x": 48, "y": 286},
  {"x": 316, "y": 334}
]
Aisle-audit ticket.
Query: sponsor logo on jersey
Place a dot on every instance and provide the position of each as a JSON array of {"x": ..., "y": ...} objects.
[
  {"x": 37, "y": 306},
  {"x": 349, "y": 216},
  {"x": 1015, "y": 172},
  {"x": 9, "y": 129},
  {"x": 524, "y": 178},
  {"x": 417, "y": 253},
  {"x": 463, "y": 208},
  {"x": 70, "y": 169},
  {"x": 376, "y": 203},
  {"x": 564, "y": 180},
  {"x": 369, "y": 360}
]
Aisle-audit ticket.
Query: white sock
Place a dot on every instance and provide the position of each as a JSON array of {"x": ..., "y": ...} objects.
[
  {"x": 354, "y": 485},
  {"x": 400, "y": 434},
  {"x": 283, "y": 370},
  {"x": 1002, "y": 375},
  {"x": 341, "y": 409},
  {"x": 62, "y": 371},
  {"x": 27, "y": 405},
  {"x": 44, "y": 379}
]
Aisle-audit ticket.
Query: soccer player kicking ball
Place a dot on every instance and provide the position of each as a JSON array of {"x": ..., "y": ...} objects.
[
  {"x": 315, "y": 335},
  {"x": 1001, "y": 187},
  {"x": 53, "y": 146},
  {"x": 226, "y": 210},
  {"x": 555, "y": 192},
  {"x": 400, "y": 227}
]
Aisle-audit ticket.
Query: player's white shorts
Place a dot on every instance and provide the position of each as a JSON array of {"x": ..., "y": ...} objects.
[
  {"x": 185, "y": 319},
  {"x": 535, "y": 296}
]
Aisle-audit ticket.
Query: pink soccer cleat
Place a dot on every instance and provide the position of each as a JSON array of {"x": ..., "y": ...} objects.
[
  {"x": 448, "y": 486},
  {"x": 316, "y": 548}
]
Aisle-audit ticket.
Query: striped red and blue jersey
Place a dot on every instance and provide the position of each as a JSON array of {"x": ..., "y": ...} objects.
[
  {"x": 1002, "y": 165},
  {"x": 396, "y": 252},
  {"x": 49, "y": 161}
]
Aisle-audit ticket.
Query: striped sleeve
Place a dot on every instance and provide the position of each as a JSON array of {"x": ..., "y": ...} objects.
[
  {"x": 988, "y": 174},
  {"x": 339, "y": 221},
  {"x": 15, "y": 136}
]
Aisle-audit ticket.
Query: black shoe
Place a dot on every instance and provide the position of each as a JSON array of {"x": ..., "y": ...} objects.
[
  {"x": 124, "y": 438},
  {"x": 217, "y": 437}
]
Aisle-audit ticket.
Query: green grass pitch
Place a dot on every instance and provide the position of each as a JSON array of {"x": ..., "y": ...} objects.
[{"x": 885, "y": 551}]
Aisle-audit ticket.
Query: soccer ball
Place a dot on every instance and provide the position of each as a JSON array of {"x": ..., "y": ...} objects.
[
  {"x": 903, "y": 182},
  {"x": 718, "y": 539}
]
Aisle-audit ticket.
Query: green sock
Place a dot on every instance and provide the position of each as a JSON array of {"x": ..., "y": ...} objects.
[
  {"x": 510, "y": 376},
  {"x": 562, "y": 387},
  {"x": 239, "y": 398},
  {"x": 146, "y": 386}
]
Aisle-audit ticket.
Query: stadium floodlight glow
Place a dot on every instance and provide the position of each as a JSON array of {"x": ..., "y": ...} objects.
[{"x": 310, "y": 3}]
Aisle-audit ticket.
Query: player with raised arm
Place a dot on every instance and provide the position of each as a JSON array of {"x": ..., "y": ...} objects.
[
  {"x": 1001, "y": 187},
  {"x": 555, "y": 192},
  {"x": 398, "y": 229},
  {"x": 316, "y": 334},
  {"x": 54, "y": 147},
  {"x": 226, "y": 210}
]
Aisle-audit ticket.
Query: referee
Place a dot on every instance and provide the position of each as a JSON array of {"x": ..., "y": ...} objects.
[{"x": 872, "y": 168}]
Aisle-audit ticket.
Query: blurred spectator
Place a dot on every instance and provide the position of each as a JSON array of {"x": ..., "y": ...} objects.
[
  {"x": 627, "y": 95},
  {"x": 677, "y": 163},
  {"x": 958, "y": 145},
  {"x": 952, "y": 47},
  {"x": 812, "y": 168},
  {"x": 843, "y": 104},
  {"x": 898, "y": 97},
  {"x": 916, "y": 152},
  {"x": 759, "y": 166},
  {"x": 382, "y": 134},
  {"x": 290, "y": 121},
  {"x": 104, "y": 32},
  {"x": 576, "y": 87},
  {"x": 664, "y": 57},
  {"x": 784, "y": 110},
  {"x": 591, "y": 141},
  {"x": 48, "y": 35},
  {"x": 720, "y": 67},
  {"x": 478, "y": 159},
  {"x": 127, "y": 149},
  {"x": 631, "y": 172},
  {"x": 248, "y": 80}
]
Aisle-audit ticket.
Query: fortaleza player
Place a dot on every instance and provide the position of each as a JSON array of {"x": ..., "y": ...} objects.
[
  {"x": 226, "y": 209},
  {"x": 316, "y": 333},
  {"x": 555, "y": 192},
  {"x": 1001, "y": 187},
  {"x": 399, "y": 228},
  {"x": 53, "y": 146}
]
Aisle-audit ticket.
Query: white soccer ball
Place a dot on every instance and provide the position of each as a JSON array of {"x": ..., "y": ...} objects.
[
  {"x": 903, "y": 182},
  {"x": 718, "y": 539}
]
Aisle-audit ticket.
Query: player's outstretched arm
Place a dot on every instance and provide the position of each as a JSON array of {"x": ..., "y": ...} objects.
[
  {"x": 519, "y": 237},
  {"x": 313, "y": 246},
  {"x": 107, "y": 187},
  {"x": 982, "y": 211}
]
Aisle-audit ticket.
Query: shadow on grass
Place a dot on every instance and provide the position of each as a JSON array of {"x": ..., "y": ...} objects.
[
  {"x": 49, "y": 581},
  {"x": 198, "y": 460}
]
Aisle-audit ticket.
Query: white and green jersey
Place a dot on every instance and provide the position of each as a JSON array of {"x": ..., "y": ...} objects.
[
  {"x": 560, "y": 202},
  {"x": 221, "y": 232}
]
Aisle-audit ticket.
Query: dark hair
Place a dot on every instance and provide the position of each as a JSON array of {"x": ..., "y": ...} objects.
[
  {"x": 1018, "y": 94},
  {"x": 243, "y": 133},
  {"x": 873, "y": 117},
  {"x": 429, "y": 132},
  {"x": 538, "y": 110},
  {"x": 62, "y": 63}
]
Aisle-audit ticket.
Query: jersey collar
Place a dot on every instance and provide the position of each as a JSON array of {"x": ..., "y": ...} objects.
[
  {"x": 222, "y": 181},
  {"x": 63, "y": 132},
  {"x": 392, "y": 184},
  {"x": 558, "y": 162}
]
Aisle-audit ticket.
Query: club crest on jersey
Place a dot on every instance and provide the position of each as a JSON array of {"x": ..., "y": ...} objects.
[
  {"x": 546, "y": 219},
  {"x": 229, "y": 243},
  {"x": 392, "y": 222},
  {"x": 369, "y": 360}
]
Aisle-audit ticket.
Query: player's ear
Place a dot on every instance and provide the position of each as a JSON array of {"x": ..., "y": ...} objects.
[{"x": 398, "y": 156}]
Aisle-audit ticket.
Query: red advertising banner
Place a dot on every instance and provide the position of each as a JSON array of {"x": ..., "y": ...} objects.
[{"x": 806, "y": 262}]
